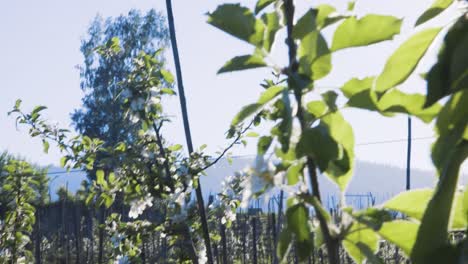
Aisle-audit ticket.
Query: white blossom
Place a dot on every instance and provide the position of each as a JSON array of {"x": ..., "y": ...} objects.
[
  {"x": 202, "y": 259},
  {"x": 257, "y": 178},
  {"x": 134, "y": 118},
  {"x": 138, "y": 206},
  {"x": 155, "y": 100}
]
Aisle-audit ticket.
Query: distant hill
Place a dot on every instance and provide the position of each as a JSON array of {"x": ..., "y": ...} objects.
[{"x": 382, "y": 181}]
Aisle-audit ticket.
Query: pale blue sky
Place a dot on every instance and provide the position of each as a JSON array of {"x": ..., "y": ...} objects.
[{"x": 40, "y": 48}]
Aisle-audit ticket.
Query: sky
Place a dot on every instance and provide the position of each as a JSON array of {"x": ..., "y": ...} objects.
[{"x": 40, "y": 52}]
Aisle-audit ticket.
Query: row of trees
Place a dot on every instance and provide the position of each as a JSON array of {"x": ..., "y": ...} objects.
[{"x": 121, "y": 144}]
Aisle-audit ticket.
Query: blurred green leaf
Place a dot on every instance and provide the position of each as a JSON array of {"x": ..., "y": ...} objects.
[
  {"x": 360, "y": 238},
  {"x": 450, "y": 73},
  {"x": 317, "y": 144}
]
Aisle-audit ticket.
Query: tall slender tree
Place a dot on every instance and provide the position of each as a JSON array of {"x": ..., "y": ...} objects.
[{"x": 101, "y": 115}]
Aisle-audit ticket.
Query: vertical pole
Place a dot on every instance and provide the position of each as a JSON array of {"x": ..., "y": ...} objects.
[
  {"x": 188, "y": 136},
  {"x": 408, "y": 157}
]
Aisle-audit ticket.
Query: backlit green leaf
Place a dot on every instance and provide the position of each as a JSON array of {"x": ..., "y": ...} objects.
[
  {"x": 341, "y": 171},
  {"x": 405, "y": 59},
  {"x": 238, "y": 21},
  {"x": 401, "y": 233},
  {"x": 355, "y": 86},
  {"x": 294, "y": 172},
  {"x": 367, "y": 30},
  {"x": 317, "y": 108},
  {"x": 314, "y": 56},
  {"x": 395, "y": 101},
  {"x": 317, "y": 144},
  {"x": 100, "y": 177},
  {"x": 411, "y": 203},
  {"x": 167, "y": 75},
  {"x": 433, "y": 232},
  {"x": 360, "y": 238}
]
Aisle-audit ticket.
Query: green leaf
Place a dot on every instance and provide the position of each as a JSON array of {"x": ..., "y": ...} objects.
[
  {"x": 341, "y": 170},
  {"x": 360, "y": 241},
  {"x": 314, "y": 56},
  {"x": 319, "y": 145},
  {"x": 175, "y": 147},
  {"x": 317, "y": 108},
  {"x": 63, "y": 161},
  {"x": 411, "y": 203},
  {"x": 100, "y": 178},
  {"x": 395, "y": 101},
  {"x": 401, "y": 233},
  {"x": 297, "y": 222},
  {"x": 437, "y": 7},
  {"x": 45, "y": 145},
  {"x": 283, "y": 129},
  {"x": 263, "y": 144},
  {"x": 433, "y": 232},
  {"x": 464, "y": 211},
  {"x": 450, "y": 73},
  {"x": 252, "y": 134},
  {"x": 297, "y": 217},
  {"x": 168, "y": 91},
  {"x": 294, "y": 172},
  {"x": 329, "y": 98},
  {"x": 17, "y": 103},
  {"x": 111, "y": 177},
  {"x": 365, "y": 31},
  {"x": 238, "y": 21},
  {"x": 243, "y": 63},
  {"x": 351, "y": 5},
  {"x": 38, "y": 109},
  {"x": 284, "y": 243},
  {"x": 450, "y": 125},
  {"x": 261, "y": 4},
  {"x": 355, "y": 86},
  {"x": 405, "y": 59},
  {"x": 315, "y": 19},
  {"x": 167, "y": 75},
  {"x": 269, "y": 94},
  {"x": 250, "y": 109},
  {"x": 272, "y": 23},
  {"x": 318, "y": 207},
  {"x": 459, "y": 218}
]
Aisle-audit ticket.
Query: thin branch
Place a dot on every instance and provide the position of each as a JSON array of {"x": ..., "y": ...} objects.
[{"x": 234, "y": 142}]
